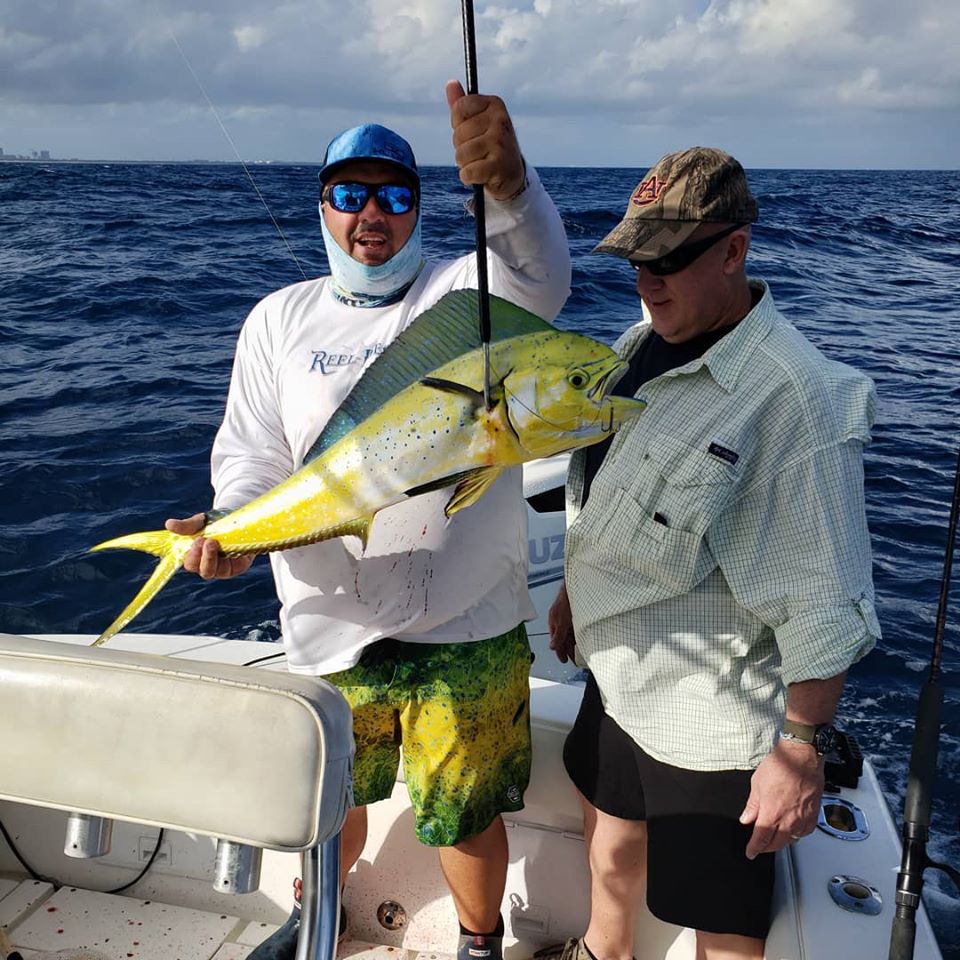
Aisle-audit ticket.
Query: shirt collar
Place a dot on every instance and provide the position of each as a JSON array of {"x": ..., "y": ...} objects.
[{"x": 729, "y": 356}]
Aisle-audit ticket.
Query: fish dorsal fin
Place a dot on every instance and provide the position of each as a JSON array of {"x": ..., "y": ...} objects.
[
  {"x": 471, "y": 488},
  {"x": 447, "y": 330}
]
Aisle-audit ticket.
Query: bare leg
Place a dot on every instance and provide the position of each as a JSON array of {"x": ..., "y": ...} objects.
[
  {"x": 617, "y": 852},
  {"x": 728, "y": 946},
  {"x": 476, "y": 873},
  {"x": 353, "y": 836}
]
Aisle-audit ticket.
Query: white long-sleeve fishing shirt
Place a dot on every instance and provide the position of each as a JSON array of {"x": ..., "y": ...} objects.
[{"x": 422, "y": 577}]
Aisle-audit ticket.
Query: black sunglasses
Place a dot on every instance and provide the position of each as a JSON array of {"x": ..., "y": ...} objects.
[
  {"x": 682, "y": 257},
  {"x": 393, "y": 198}
]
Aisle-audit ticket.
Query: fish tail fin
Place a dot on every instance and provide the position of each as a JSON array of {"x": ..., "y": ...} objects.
[
  {"x": 155, "y": 542},
  {"x": 171, "y": 548}
]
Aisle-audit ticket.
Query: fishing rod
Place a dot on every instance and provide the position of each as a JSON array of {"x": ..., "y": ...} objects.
[
  {"x": 923, "y": 772},
  {"x": 483, "y": 287}
]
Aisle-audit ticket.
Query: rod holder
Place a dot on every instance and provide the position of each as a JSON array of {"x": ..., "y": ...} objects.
[
  {"x": 237, "y": 867},
  {"x": 87, "y": 836}
]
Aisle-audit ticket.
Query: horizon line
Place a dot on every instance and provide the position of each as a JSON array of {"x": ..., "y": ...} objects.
[{"x": 13, "y": 158}]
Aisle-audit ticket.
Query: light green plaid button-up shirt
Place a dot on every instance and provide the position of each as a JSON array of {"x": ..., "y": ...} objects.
[{"x": 723, "y": 551}]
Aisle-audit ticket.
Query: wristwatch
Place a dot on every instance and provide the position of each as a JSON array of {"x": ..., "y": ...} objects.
[{"x": 822, "y": 737}]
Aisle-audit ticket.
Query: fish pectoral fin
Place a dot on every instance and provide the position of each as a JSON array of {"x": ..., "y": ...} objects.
[
  {"x": 451, "y": 386},
  {"x": 471, "y": 488},
  {"x": 450, "y": 480}
]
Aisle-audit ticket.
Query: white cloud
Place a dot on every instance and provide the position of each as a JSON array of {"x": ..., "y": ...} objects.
[
  {"x": 584, "y": 70},
  {"x": 772, "y": 28},
  {"x": 249, "y": 37},
  {"x": 869, "y": 90}
]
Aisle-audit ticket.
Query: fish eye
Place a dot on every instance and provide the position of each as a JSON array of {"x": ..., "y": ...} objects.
[{"x": 578, "y": 379}]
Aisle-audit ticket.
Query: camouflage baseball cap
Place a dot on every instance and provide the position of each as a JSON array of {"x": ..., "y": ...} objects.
[{"x": 683, "y": 190}]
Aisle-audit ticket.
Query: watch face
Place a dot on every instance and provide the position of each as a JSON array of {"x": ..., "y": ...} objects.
[{"x": 824, "y": 739}]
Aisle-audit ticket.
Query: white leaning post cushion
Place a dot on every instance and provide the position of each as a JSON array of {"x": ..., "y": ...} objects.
[{"x": 256, "y": 757}]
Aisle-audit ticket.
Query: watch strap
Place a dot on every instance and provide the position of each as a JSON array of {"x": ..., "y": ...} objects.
[
  {"x": 804, "y": 732},
  {"x": 821, "y": 737}
]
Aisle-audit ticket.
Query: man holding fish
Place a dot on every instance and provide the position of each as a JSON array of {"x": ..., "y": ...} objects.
[{"x": 423, "y": 635}]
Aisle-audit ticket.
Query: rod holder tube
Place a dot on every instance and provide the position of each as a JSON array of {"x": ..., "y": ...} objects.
[
  {"x": 87, "y": 836},
  {"x": 237, "y": 867}
]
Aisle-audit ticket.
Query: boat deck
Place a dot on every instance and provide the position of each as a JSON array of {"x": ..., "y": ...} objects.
[
  {"x": 174, "y": 912},
  {"x": 41, "y": 920}
]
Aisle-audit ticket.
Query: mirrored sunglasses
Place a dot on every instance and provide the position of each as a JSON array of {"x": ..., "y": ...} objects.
[
  {"x": 682, "y": 257},
  {"x": 393, "y": 198}
]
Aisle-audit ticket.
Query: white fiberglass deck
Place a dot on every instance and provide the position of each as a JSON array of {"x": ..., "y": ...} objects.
[{"x": 41, "y": 921}]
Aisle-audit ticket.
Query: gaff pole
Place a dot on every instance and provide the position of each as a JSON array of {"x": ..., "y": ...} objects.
[
  {"x": 923, "y": 773},
  {"x": 483, "y": 287}
]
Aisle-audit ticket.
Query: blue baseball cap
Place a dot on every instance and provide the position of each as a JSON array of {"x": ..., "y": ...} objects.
[{"x": 369, "y": 142}]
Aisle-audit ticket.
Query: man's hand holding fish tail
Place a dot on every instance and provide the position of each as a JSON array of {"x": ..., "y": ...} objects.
[{"x": 205, "y": 557}]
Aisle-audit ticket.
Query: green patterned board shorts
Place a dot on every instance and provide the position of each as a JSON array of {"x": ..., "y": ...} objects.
[{"x": 462, "y": 713}]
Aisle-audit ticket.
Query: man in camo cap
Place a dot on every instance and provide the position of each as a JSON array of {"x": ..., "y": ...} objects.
[
  {"x": 682, "y": 192},
  {"x": 718, "y": 578}
]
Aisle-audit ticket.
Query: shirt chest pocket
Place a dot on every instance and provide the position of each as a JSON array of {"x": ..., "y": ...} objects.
[{"x": 651, "y": 514}]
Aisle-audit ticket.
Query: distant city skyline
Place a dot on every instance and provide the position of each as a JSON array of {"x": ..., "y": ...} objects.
[
  {"x": 33, "y": 155},
  {"x": 43, "y": 156},
  {"x": 778, "y": 83}
]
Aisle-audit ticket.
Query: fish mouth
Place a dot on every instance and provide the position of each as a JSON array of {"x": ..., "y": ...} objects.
[
  {"x": 608, "y": 427},
  {"x": 614, "y": 412},
  {"x": 598, "y": 391}
]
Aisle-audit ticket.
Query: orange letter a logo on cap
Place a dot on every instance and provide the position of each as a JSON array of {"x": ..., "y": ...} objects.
[{"x": 649, "y": 191}]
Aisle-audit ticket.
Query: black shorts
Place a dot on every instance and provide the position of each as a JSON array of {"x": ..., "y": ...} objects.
[{"x": 698, "y": 874}]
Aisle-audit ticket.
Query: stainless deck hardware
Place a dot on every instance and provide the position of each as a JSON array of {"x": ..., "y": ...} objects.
[
  {"x": 237, "y": 867},
  {"x": 854, "y": 894},
  {"x": 842, "y": 819},
  {"x": 391, "y": 915},
  {"x": 87, "y": 836}
]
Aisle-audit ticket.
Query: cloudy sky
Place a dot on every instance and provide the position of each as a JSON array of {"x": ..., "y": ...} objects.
[{"x": 779, "y": 83}]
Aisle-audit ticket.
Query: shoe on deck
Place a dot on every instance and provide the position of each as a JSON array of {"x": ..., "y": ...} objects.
[
  {"x": 573, "y": 949},
  {"x": 479, "y": 947},
  {"x": 282, "y": 944}
]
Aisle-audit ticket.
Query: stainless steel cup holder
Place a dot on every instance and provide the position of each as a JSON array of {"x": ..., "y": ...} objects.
[
  {"x": 856, "y": 895},
  {"x": 842, "y": 819}
]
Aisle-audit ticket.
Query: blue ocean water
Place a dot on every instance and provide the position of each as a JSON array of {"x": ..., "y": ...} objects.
[{"x": 123, "y": 287}]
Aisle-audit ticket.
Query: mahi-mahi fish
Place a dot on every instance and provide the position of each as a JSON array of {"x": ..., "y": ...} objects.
[{"x": 417, "y": 421}]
